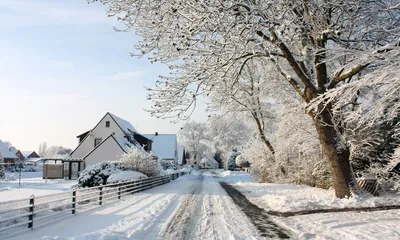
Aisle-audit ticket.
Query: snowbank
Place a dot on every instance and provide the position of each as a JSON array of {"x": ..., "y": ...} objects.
[
  {"x": 125, "y": 176},
  {"x": 235, "y": 177},
  {"x": 285, "y": 197}
]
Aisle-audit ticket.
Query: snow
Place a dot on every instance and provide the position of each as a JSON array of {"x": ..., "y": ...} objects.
[
  {"x": 190, "y": 207},
  {"x": 5, "y": 152},
  {"x": 31, "y": 183},
  {"x": 125, "y": 144},
  {"x": 34, "y": 160},
  {"x": 285, "y": 197},
  {"x": 163, "y": 146},
  {"x": 349, "y": 225},
  {"x": 125, "y": 125},
  {"x": 196, "y": 207},
  {"x": 124, "y": 176},
  {"x": 26, "y": 153}
]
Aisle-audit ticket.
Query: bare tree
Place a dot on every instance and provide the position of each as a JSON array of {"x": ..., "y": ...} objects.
[
  {"x": 315, "y": 45},
  {"x": 194, "y": 137}
]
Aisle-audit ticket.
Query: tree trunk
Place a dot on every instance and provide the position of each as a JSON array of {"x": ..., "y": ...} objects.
[
  {"x": 264, "y": 139},
  {"x": 337, "y": 153}
]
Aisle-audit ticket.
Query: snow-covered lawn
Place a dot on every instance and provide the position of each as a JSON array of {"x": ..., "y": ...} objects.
[
  {"x": 345, "y": 225},
  {"x": 286, "y": 197},
  {"x": 31, "y": 183}
]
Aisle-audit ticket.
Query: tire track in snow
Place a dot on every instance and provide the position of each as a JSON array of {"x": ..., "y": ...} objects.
[
  {"x": 208, "y": 213},
  {"x": 183, "y": 222},
  {"x": 258, "y": 216}
]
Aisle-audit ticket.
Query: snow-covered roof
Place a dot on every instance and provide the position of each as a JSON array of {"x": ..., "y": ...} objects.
[
  {"x": 125, "y": 144},
  {"x": 34, "y": 160},
  {"x": 27, "y": 153},
  {"x": 123, "y": 124},
  {"x": 163, "y": 146},
  {"x": 210, "y": 159},
  {"x": 5, "y": 152},
  {"x": 181, "y": 150}
]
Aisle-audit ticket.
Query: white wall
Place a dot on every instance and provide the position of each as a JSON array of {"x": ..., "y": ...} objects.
[
  {"x": 101, "y": 131},
  {"x": 107, "y": 151}
]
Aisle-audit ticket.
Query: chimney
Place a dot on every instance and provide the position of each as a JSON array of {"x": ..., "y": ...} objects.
[{"x": 156, "y": 134}]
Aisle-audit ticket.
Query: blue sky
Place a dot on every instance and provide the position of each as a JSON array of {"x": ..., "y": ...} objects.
[{"x": 62, "y": 67}]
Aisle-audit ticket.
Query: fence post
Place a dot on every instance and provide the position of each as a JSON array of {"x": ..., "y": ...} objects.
[
  {"x": 73, "y": 201},
  {"x": 119, "y": 191},
  {"x": 31, "y": 211},
  {"x": 101, "y": 195}
]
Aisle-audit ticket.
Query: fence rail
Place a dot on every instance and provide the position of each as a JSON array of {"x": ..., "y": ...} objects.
[{"x": 18, "y": 216}]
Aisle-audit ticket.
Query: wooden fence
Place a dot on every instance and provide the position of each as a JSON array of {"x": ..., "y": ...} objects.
[{"x": 25, "y": 214}]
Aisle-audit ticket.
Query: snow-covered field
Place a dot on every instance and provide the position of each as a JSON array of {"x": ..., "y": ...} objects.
[{"x": 31, "y": 183}]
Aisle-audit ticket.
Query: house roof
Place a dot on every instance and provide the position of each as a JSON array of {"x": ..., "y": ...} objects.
[
  {"x": 125, "y": 126},
  {"x": 83, "y": 134},
  {"x": 121, "y": 141},
  {"x": 27, "y": 153},
  {"x": 208, "y": 159},
  {"x": 125, "y": 144},
  {"x": 163, "y": 145},
  {"x": 181, "y": 151},
  {"x": 5, "y": 152}
]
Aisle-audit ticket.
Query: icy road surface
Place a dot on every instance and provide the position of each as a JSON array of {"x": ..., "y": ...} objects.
[{"x": 191, "y": 207}]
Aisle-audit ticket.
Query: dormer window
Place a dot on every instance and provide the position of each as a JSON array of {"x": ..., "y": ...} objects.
[{"x": 107, "y": 123}]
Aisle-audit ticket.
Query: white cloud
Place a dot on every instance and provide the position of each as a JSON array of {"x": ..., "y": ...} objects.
[
  {"x": 34, "y": 13},
  {"x": 126, "y": 75}
]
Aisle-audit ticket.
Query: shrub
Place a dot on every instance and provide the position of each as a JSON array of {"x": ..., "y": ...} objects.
[
  {"x": 140, "y": 161},
  {"x": 98, "y": 174}
]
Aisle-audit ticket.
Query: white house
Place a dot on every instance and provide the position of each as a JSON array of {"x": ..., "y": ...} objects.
[
  {"x": 8, "y": 156},
  {"x": 164, "y": 146},
  {"x": 209, "y": 162},
  {"x": 108, "y": 140}
]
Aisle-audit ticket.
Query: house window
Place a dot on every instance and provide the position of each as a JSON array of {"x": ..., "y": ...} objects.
[
  {"x": 97, "y": 141},
  {"x": 107, "y": 123}
]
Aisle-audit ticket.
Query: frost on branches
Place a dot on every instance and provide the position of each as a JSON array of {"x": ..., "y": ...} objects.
[
  {"x": 231, "y": 164},
  {"x": 315, "y": 46},
  {"x": 195, "y": 138},
  {"x": 140, "y": 161}
]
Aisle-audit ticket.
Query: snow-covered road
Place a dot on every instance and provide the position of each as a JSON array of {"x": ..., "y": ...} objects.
[{"x": 191, "y": 207}]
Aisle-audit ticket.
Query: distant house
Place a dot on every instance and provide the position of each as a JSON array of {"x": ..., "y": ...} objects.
[
  {"x": 208, "y": 162},
  {"x": 108, "y": 140},
  {"x": 164, "y": 146},
  {"x": 8, "y": 156},
  {"x": 30, "y": 154},
  {"x": 20, "y": 155},
  {"x": 181, "y": 155}
]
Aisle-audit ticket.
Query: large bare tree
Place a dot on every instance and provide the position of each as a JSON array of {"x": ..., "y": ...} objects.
[{"x": 316, "y": 45}]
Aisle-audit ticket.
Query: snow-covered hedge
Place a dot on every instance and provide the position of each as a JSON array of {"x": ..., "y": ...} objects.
[
  {"x": 98, "y": 174},
  {"x": 125, "y": 176},
  {"x": 25, "y": 168},
  {"x": 140, "y": 161}
]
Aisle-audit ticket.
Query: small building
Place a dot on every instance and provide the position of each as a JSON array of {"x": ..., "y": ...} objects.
[
  {"x": 164, "y": 146},
  {"x": 208, "y": 162},
  {"x": 30, "y": 154},
  {"x": 8, "y": 156},
  {"x": 108, "y": 140}
]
